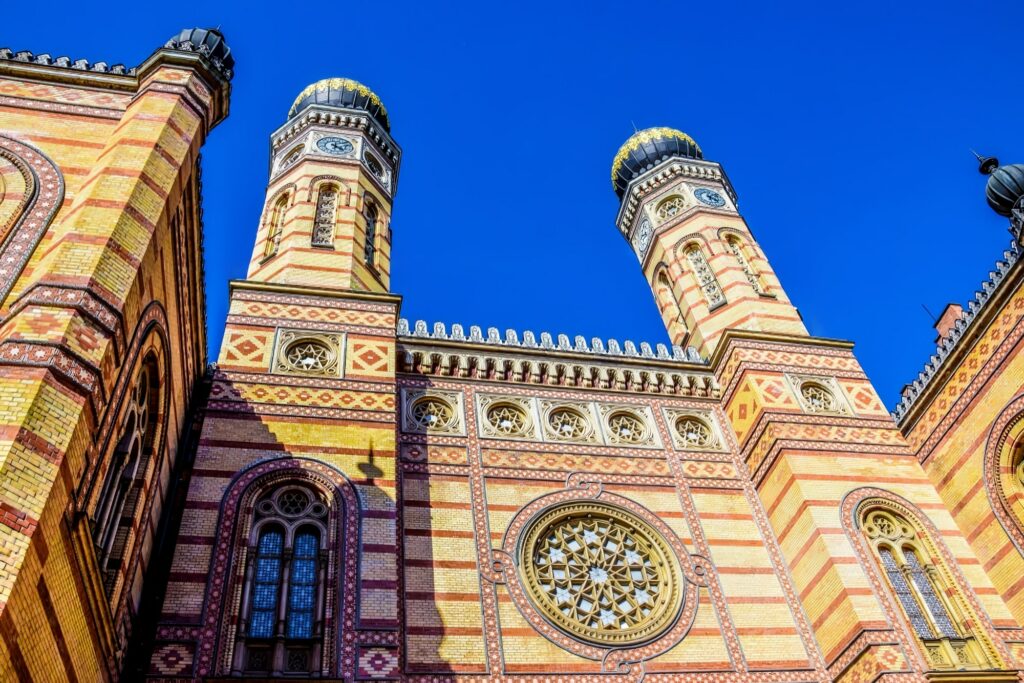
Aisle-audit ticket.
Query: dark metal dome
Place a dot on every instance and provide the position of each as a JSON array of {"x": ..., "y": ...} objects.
[
  {"x": 344, "y": 93},
  {"x": 1005, "y": 184},
  {"x": 648, "y": 148},
  {"x": 206, "y": 41}
]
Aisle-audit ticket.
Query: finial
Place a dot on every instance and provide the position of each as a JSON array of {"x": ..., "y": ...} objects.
[{"x": 986, "y": 164}]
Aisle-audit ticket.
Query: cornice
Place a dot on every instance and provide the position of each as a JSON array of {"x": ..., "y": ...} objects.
[
  {"x": 303, "y": 290},
  {"x": 731, "y": 337},
  {"x": 956, "y": 344},
  {"x": 660, "y": 176}
]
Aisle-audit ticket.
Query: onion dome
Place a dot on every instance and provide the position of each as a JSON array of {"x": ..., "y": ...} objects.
[
  {"x": 1005, "y": 184},
  {"x": 646, "y": 149},
  {"x": 208, "y": 42},
  {"x": 344, "y": 93}
]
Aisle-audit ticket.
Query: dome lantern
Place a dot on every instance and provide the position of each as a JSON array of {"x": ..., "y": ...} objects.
[{"x": 646, "y": 149}]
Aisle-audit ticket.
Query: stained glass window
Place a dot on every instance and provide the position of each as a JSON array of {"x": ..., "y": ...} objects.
[
  {"x": 932, "y": 602},
  {"x": 266, "y": 584},
  {"x": 302, "y": 585},
  {"x": 905, "y": 594}
]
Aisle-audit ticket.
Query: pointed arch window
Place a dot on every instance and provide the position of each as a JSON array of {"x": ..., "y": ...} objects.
[
  {"x": 737, "y": 250},
  {"x": 283, "y": 600},
  {"x": 922, "y": 586},
  {"x": 370, "y": 214},
  {"x": 276, "y": 226},
  {"x": 122, "y": 488},
  {"x": 705, "y": 276},
  {"x": 323, "y": 221}
]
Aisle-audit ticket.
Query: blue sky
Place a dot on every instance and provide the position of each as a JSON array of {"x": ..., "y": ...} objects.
[{"x": 846, "y": 129}]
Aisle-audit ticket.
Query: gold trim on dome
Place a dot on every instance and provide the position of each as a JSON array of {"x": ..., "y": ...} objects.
[
  {"x": 643, "y": 137},
  {"x": 600, "y": 574},
  {"x": 338, "y": 84}
]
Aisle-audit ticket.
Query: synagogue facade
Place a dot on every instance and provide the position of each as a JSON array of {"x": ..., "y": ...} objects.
[{"x": 343, "y": 495}]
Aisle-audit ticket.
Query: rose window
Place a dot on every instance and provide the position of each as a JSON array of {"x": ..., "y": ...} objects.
[
  {"x": 433, "y": 413},
  {"x": 309, "y": 355},
  {"x": 694, "y": 432},
  {"x": 626, "y": 427},
  {"x": 671, "y": 207},
  {"x": 600, "y": 574},
  {"x": 508, "y": 420},
  {"x": 567, "y": 423},
  {"x": 818, "y": 399}
]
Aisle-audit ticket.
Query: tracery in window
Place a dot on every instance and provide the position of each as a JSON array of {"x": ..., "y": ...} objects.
[
  {"x": 276, "y": 226},
  {"x": 705, "y": 277},
  {"x": 625, "y": 427},
  {"x": 433, "y": 414},
  {"x": 370, "y": 244},
  {"x": 818, "y": 399},
  {"x": 507, "y": 419},
  {"x": 922, "y": 588},
  {"x": 122, "y": 486},
  {"x": 694, "y": 432},
  {"x": 323, "y": 221},
  {"x": 671, "y": 207},
  {"x": 753, "y": 277},
  {"x": 284, "y": 595},
  {"x": 567, "y": 423}
]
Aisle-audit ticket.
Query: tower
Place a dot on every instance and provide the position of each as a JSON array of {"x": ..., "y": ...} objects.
[
  {"x": 333, "y": 173},
  {"x": 679, "y": 213},
  {"x": 297, "y": 447}
]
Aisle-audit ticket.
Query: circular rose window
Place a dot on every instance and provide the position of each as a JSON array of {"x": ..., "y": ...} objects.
[{"x": 600, "y": 574}]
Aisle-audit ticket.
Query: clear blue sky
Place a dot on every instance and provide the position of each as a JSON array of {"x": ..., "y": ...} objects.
[{"x": 845, "y": 127}]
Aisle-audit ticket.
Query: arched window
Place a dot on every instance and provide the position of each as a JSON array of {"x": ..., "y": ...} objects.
[
  {"x": 276, "y": 226},
  {"x": 370, "y": 246},
  {"x": 283, "y": 600},
  {"x": 122, "y": 484},
  {"x": 753, "y": 277},
  {"x": 705, "y": 276},
  {"x": 922, "y": 586},
  {"x": 323, "y": 222},
  {"x": 669, "y": 307}
]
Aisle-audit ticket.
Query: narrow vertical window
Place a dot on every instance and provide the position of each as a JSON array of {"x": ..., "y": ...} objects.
[
  {"x": 905, "y": 595},
  {"x": 276, "y": 227},
  {"x": 302, "y": 587},
  {"x": 753, "y": 277},
  {"x": 936, "y": 609},
  {"x": 323, "y": 222},
  {"x": 121, "y": 490},
  {"x": 266, "y": 584},
  {"x": 370, "y": 246},
  {"x": 705, "y": 277}
]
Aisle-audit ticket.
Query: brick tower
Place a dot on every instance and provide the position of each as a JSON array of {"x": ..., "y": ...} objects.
[
  {"x": 707, "y": 273},
  {"x": 295, "y": 464}
]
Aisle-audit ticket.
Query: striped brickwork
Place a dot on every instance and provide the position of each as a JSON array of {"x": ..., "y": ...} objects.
[
  {"x": 261, "y": 419},
  {"x": 965, "y": 432},
  {"x": 462, "y": 494},
  {"x": 744, "y": 308},
  {"x": 808, "y": 468},
  {"x": 112, "y": 171},
  {"x": 341, "y": 264}
]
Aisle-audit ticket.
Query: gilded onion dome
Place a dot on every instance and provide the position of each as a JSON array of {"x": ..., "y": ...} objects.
[
  {"x": 646, "y": 149},
  {"x": 1005, "y": 184},
  {"x": 344, "y": 93}
]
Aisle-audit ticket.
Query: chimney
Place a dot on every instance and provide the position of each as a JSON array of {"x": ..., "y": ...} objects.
[{"x": 950, "y": 314}]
